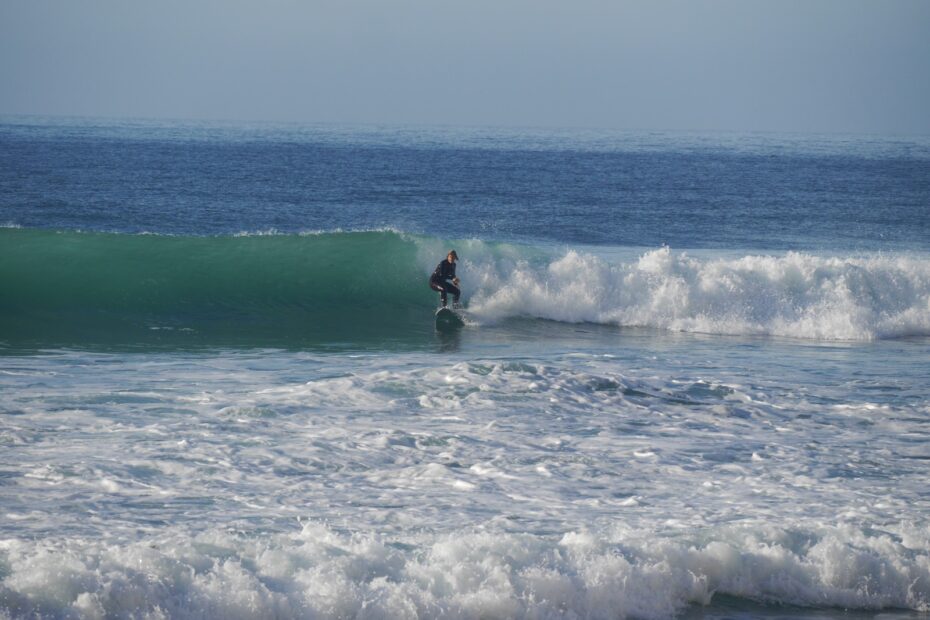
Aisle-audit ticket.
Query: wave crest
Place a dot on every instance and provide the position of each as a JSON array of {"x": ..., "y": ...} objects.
[
  {"x": 322, "y": 573},
  {"x": 796, "y": 295}
]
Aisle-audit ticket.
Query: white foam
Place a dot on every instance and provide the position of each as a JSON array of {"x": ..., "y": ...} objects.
[
  {"x": 796, "y": 295},
  {"x": 567, "y": 486},
  {"x": 316, "y": 571}
]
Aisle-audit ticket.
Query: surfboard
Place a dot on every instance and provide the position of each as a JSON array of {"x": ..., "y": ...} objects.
[{"x": 447, "y": 319}]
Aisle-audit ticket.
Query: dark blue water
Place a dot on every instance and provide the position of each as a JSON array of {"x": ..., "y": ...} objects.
[{"x": 819, "y": 193}]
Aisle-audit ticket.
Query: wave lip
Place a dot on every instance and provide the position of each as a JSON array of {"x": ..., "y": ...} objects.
[{"x": 796, "y": 295}]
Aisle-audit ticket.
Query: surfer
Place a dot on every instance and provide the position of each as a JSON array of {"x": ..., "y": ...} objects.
[{"x": 439, "y": 281}]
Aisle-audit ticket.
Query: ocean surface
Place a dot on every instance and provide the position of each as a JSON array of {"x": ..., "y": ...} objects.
[{"x": 694, "y": 380}]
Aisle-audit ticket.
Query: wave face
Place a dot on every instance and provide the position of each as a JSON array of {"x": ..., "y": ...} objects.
[
  {"x": 116, "y": 288},
  {"x": 370, "y": 288},
  {"x": 796, "y": 295}
]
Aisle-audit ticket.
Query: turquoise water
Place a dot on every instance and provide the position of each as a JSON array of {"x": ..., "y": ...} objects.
[{"x": 222, "y": 393}]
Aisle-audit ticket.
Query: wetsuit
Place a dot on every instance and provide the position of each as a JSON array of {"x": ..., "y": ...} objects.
[{"x": 439, "y": 281}]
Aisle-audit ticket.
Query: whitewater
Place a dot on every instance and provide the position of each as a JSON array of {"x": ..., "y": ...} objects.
[
  {"x": 796, "y": 295},
  {"x": 594, "y": 484},
  {"x": 324, "y": 287},
  {"x": 692, "y": 381}
]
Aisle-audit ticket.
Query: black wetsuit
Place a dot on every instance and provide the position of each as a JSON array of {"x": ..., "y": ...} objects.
[{"x": 439, "y": 281}]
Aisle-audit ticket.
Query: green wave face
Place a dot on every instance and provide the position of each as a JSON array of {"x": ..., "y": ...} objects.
[{"x": 94, "y": 289}]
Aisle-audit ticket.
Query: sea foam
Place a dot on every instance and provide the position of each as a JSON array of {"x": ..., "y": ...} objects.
[
  {"x": 296, "y": 485},
  {"x": 796, "y": 295},
  {"x": 320, "y": 572},
  {"x": 323, "y": 288}
]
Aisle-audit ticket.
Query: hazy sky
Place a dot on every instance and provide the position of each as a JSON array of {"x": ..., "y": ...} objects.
[{"x": 795, "y": 65}]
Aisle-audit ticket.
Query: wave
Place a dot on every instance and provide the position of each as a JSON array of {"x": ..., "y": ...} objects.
[
  {"x": 99, "y": 287},
  {"x": 370, "y": 287},
  {"x": 796, "y": 295},
  {"x": 319, "y": 572}
]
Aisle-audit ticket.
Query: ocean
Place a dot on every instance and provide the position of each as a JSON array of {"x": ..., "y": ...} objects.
[{"x": 694, "y": 379}]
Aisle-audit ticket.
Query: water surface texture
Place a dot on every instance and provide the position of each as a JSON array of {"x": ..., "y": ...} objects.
[{"x": 692, "y": 382}]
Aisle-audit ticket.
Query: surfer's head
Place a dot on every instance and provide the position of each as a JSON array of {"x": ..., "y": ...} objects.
[{"x": 452, "y": 257}]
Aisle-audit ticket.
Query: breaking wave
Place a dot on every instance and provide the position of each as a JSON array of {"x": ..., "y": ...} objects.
[
  {"x": 796, "y": 295},
  {"x": 370, "y": 287},
  {"x": 319, "y": 572}
]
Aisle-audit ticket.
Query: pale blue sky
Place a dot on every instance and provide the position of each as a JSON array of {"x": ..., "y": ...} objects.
[{"x": 769, "y": 65}]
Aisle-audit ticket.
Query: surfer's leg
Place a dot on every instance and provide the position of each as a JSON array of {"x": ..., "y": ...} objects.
[
  {"x": 439, "y": 286},
  {"x": 456, "y": 293}
]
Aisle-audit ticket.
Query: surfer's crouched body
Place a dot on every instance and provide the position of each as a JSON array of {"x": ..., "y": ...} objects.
[{"x": 439, "y": 281}]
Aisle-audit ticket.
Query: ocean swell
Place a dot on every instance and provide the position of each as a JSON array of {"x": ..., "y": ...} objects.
[
  {"x": 370, "y": 287},
  {"x": 264, "y": 289}
]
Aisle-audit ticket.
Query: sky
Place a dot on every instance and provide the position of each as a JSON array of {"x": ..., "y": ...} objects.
[{"x": 835, "y": 66}]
